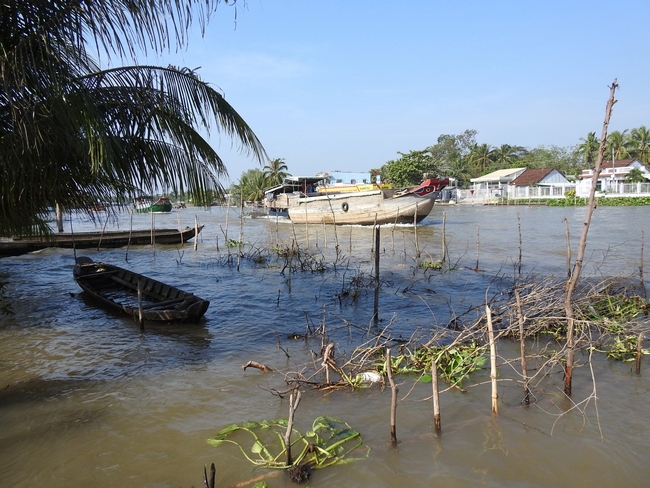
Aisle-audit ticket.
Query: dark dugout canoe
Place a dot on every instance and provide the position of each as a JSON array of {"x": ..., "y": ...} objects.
[{"x": 118, "y": 288}]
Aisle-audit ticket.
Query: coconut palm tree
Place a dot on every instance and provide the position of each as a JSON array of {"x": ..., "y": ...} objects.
[
  {"x": 481, "y": 157},
  {"x": 617, "y": 143},
  {"x": 275, "y": 171},
  {"x": 506, "y": 156},
  {"x": 72, "y": 132},
  {"x": 640, "y": 144},
  {"x": 588, "y": 150},
  {"x": 635, "y": 176},
  {"x": 250, "y": 187}
]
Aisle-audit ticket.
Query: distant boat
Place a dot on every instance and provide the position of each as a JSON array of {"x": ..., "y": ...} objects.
[
  {"x": 301, "y": 199},
  {"x": 146, "y": 205},
  {"x": 87, "y": 240},
  {"x": 136, "y": 294}
]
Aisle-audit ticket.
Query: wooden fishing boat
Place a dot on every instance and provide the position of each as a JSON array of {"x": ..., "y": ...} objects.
[
  {"x": 119, "y": 289},
  {"x": 146, "y": 205},
  {"x": 301, "y": 200},
  {"x": 87, "y": 240}
]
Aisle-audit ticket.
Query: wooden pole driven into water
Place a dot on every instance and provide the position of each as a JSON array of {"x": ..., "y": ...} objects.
[
  {"x": 641, "y": 282},
  {"x": 478, "y": 243},
  {"x": 436, "y": 398},
  {"x": 375, "y": 315},
  {"x": 639, "y": 353},
  {"x": 444, "y": 238},
  {"x": 415, "y": 227},
  {"x": 140, "y": 317},
  {"x": 196, "y": 232},
  {"x": 393, "y": 400},
  {"x": 241, "y": 230},
  {"x": 294, "y": 400},
  {"x": 522, "y": 345},
  {"x": 577, "y": 268},
  {"x": 520, "y": 242},
  {"x": 493, "y": 361},
  {"x": 568, "y": 248}
]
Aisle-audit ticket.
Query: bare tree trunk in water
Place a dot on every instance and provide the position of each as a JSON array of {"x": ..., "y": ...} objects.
[{"x": 575, "y": 275}]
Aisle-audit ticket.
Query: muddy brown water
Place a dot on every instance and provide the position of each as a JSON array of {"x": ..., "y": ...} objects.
[{"x": 86, "y": 398}]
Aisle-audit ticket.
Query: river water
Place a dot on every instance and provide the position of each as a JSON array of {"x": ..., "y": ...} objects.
[{"x": 87, "y": 398}]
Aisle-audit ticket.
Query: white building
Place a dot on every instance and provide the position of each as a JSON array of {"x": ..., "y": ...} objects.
[{"x": 612, "y": 178}]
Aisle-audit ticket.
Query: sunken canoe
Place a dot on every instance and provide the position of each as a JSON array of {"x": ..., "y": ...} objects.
[{"x": 118, "y": 289}]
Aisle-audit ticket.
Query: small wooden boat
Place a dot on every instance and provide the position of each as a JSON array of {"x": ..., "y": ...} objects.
[
  {"x": 88, "y": 240},
  {"x": 119, "y": 288}
]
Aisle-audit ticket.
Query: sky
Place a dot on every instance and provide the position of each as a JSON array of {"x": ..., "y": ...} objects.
[{"x": 347, "y": 85}]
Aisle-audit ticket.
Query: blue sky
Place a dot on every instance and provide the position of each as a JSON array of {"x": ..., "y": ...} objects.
[{"x": 334, "y": 85}]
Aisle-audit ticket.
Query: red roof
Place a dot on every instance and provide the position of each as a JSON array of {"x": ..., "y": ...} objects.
[{"x": 531, "y": 176}]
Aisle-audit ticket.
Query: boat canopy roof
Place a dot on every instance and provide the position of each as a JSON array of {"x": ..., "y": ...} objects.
[{"x": 294, "y": 182}]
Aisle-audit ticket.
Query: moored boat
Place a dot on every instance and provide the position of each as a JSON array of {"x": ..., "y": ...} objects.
[
  {"x": 146, "y": 205},
  {"x": 301, "y": 200},
  {"x": 107, "y": 239},
  {"x": 118, "y": 288}
]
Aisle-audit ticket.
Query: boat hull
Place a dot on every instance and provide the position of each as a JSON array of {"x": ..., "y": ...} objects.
[
  {"x": 117, "y": 288},
  {"x": 363, "y": 208},
  {"x": 107, "y": 239}
]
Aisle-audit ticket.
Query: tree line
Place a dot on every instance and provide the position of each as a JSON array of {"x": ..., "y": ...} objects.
[{"x": 461, "y": 157}]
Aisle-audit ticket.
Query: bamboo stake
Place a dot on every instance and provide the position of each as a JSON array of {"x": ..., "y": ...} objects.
[
  {"x": 436, "y": 398},
  {"x": 444, "y": 239},
  {"x": 294, "y": 400},
  {"x": 568, "y": 247},
  {"x": 415, "y": 225},
  {"x": 306, "y": 228},
  {"x": 209, "y": 482},
  {"x": 196, "y": 232},
  {"x": 577, "y": 268},
  {"x": 241, "y": 230},
  {"x": 641, "y": 282},
  {"x": 350, "y": 243},
  {"x": 393, "y": 401},
  {"x": 493, "y": 361},
  {"x": 522, "y": 344},
  {"x": 375, "y": 315},
  {"x": 520, "y": 243},
  {"x": 140, "y": 316},
  {"x": 639, "y": 353},
  {"x": 478, "y": 243}
]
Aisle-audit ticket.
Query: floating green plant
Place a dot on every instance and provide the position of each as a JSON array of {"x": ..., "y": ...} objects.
[
  {"x": 454, "y": 363},
  {"x": 330, "y": 441}
]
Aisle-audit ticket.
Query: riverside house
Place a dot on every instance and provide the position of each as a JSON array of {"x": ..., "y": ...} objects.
[{"x": 611, "y": 181}]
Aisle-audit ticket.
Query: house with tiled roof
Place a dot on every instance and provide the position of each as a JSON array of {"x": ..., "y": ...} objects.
[
  {"x": 612, "y": 178},
  {"x": 539, "y": 183}
]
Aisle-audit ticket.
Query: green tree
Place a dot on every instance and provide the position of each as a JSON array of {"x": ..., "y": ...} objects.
[
  {"x": 617, "y": 143},
  {"x": 275, "y": 171},
  {"x": 72, "y": 132},
  {"x": 480, "y": 158},
  {"x": 410, "y": 169},
  {"x": 564, "y": 159},
  {"x": 640, "y": 144},
  {"x": 588, "y": 149},
  {"x": 507, "y": 156},
  {"x": 250, "y": 187},
  {"x": 635, "y": 176}
]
